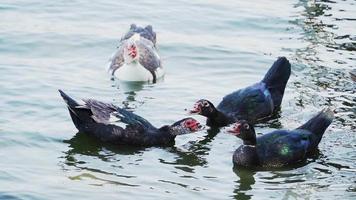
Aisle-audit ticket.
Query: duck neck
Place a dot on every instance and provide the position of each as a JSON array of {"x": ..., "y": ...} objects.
[
  {"x": 165, "y": 135},
  {"x": 246, "y": 155},
  {"x": 217, "y": 118},
  {"x": 251, "y": 140},
  {"x": 172, "y": 130}
]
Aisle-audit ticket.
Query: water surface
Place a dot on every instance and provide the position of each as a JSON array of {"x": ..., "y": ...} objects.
[{"x": 209, "y": 48}]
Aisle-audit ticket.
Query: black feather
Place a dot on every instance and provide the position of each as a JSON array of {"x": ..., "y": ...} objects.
[
  {"x": 254, "y": 103},
  {"x": 95, "y": 118},
  {"x": 281, "y": 147},
  {"x": 317, "y": 126},
  {"x": 276, "y": 79},
  {"x": 69, "y": 101}
]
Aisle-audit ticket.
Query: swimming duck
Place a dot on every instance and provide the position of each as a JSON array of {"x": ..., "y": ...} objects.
[
  {"x": 353, "y": 74},
  {"x": 281, "y": 147},
  {"x": 112, "y": 124},
  {"x": 137, "y": 57},
  {"x": 253, "y": 103}
]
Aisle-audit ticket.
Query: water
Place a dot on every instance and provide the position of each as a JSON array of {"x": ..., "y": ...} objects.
[{"x": 209, "y": 49}]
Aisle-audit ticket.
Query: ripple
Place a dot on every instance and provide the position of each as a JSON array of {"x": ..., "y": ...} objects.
[{"x": 209, "y": 49}]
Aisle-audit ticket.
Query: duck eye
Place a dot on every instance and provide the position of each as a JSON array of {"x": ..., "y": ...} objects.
[
  {"x": 246, "y": 126},
  {"x": 205, "y": 104}
]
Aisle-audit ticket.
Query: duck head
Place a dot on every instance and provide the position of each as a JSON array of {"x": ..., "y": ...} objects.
[
  {"x": 131, "y": 53},
  {"x": 244, "y": 130},
  {"x": 185, "y": 126},
  {"x": 203, "y": 107}
]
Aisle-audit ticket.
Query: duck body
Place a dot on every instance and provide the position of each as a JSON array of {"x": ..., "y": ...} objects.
[
  {"x": 137, "y": 57},
  {"x": 278, "y": 148},
  {"x": 134, "y": 135},
  {"x": 253, "y": 103},
  {"x": 115, "y": 125},
  {"x": 137, "y": 73},
  {"x": 281, "y": 147},
  {"x": 353, "y": 75}
]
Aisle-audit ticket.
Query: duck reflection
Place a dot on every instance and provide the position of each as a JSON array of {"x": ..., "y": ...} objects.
[
  {"x": 244, "y": 184},
  {"x": 130, "y": 87},
  {"x": 184, "y": 159},
  {"x": 82, "y": 144},
  {"x": 129, "y": 90},
  {"x": 194, "y": 152}
]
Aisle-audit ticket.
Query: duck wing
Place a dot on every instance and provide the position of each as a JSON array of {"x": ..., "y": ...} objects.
[
  {"x": 132, "y": 118},
  {"x": 110, "y": 114},
  {"x": 148, "y": 57},
  {"x": 107, "y": 122},
  {"x": 118, "y": 58},
  {"x": 282, "y": 147},
  {"x": 251, "y": 103}
]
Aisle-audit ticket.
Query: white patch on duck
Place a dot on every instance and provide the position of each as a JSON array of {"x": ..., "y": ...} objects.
[
  {"x": 114, "y": 120},
  {"x": 133, "y": 72}
]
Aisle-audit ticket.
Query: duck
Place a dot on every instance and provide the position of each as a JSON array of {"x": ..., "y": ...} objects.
[
  {"x": 254, "y": 103},
  {"x": 279, "y": 148},
  {"x": 137, "y": 59},
  {"x": 353, "y": 74},
  {"x": 112, "y": 124}
]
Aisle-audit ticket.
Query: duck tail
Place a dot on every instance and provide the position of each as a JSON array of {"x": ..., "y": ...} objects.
[
  {"x": 68, "y": 100},
  {"x": 318, "y": 124},
  {"x": 276, "y": 79},
  {"x": 79, "y": 113}
]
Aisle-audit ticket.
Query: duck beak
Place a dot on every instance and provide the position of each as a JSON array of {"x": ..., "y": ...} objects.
[
  {"x": 196, "y": 109},
  {"x": 235, "y": 130},
  {"x": 196, "y": 127}
]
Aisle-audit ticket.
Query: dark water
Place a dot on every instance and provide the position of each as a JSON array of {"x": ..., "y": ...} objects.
[{"x": 210, "y": 48}]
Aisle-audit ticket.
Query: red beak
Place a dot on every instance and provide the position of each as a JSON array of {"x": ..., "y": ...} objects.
[
  {"x": 235, "y": 130},
  {"x": 193, "y": 126}
]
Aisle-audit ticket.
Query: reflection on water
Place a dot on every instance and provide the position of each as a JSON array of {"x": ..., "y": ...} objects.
[
  {"x": 129, "y": 87},
  {"x": 82, "y": 144},
  {"x": 195, "y": 151},
  {"x": 192, "y": 154},
  {"x": 129, "y": 91},
  {"x": 244, "y": 184}
]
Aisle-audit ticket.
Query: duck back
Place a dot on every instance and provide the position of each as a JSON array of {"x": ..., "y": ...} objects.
[
  {"x": 280, "y": 148},
  {"x": 251, "y": 103}
]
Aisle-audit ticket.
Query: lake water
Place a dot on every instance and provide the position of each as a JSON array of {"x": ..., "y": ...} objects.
[{"x": 209, "y": 48}]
